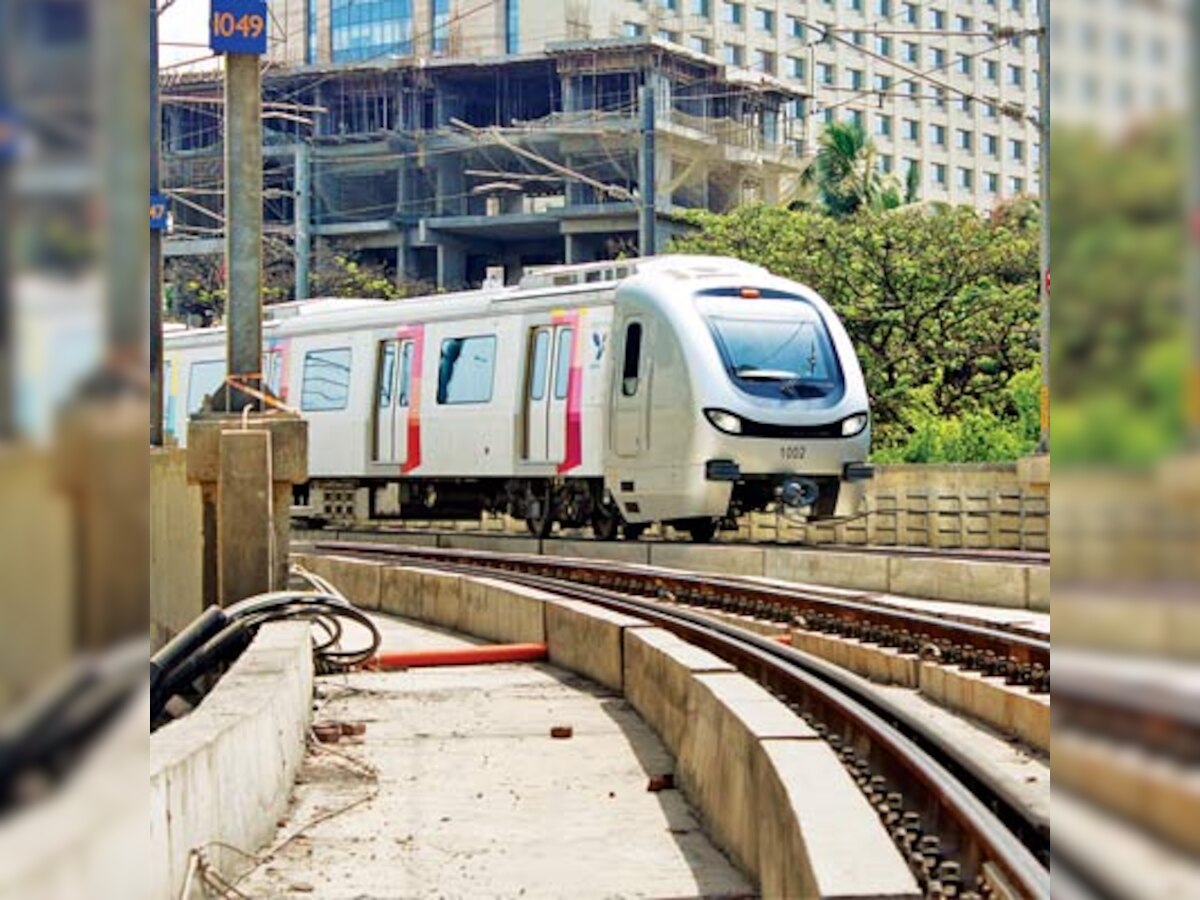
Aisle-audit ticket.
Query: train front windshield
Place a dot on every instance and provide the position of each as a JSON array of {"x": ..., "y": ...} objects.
[{"x": 776, "y": 346}]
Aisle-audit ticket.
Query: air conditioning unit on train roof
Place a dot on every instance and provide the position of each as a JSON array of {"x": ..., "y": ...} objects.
[{"x": 677, "y": 266}]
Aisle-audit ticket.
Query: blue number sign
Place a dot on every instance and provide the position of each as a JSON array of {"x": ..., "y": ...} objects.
[
  {"x": 158, "y": 212},
  {"x": 238, "y": 26}
]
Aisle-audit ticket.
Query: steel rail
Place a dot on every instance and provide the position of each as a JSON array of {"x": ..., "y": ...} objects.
[{"x": 978, "y": 818}]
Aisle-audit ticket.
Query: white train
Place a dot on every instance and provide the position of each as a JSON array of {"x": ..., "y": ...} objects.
[{"x": 682, "y": 390}]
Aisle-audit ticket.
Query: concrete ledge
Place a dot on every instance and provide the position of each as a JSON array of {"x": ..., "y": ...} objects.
[
  {"x": 628, "y": 552},
  {"x": 809, "y": 802},
  {"x": 1010, "y": 710},
  {"x": 589, "y": 640},
  {"x": 488, "y": 542},
  {"x": 993, "y": 584},
  {"x": 720, "y": 560},
  {"x": 224, "y": 772},
  {"x": 854, "y": 571},
  {"x": 1039, "y": 588},
  {"x": 659, "y": 670},
  {"x": 506, "y": 613},
  {"x": 882, "y": 665},
  {"x": 359, "y": 580}
]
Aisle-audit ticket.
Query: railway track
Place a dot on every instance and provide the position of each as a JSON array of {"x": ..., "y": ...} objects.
[
  {"x": 960, "y": 554},
  {"x": 965, "y": 831}
]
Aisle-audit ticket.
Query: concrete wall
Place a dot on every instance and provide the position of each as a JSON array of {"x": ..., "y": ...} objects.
[
  {"x": 224, "y": 772},
  {"x": 772, "y": 794},
  {"x": 176, "y": 546}
]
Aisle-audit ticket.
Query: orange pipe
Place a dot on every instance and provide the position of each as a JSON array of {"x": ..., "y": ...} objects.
[{"x": 458, "y": 656}]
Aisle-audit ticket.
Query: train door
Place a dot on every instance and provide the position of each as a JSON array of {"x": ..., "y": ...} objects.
[
  {"x": 393, "y": 384},
  {"x": 629, "y": 422},
  {"x": 549, "y": 368}
]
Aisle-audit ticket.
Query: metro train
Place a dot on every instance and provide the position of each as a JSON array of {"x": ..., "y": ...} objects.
[{"x": 682, "y": 390}]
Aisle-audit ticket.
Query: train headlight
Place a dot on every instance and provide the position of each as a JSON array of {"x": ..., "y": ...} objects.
[
  {"x": 724, "y": 421},
  {"x": 853, "y": 425}
]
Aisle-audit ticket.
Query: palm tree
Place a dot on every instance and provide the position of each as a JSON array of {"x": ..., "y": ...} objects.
[{"x": 845, "y": 174}]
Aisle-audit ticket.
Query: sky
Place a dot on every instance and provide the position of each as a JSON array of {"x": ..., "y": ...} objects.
[{"x": 185, "y": 22}]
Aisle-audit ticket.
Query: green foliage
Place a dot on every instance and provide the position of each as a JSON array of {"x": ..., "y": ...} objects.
[{"x": 942, "y": 306}]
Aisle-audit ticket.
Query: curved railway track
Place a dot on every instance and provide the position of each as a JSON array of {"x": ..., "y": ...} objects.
[{"x": 964, "y": 831}]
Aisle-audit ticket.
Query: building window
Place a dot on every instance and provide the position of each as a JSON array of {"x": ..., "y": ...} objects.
[
  {"x": 702, "y": 8},
  {"x": 938, "y": 172},
  {"x": 733, "y": 13},
  {"x": 797, "y": 68},
  {"x": 939, "y": 98},
  {"x": 359, "y": 32},
  {"x": 909, "y": 165},
  {"x": 991, "y": 69},
  {"x": 700, "y": 45},
  {"x": 964, "y": 64},
  {"x": 853, "y": 117},
  {"x": 764, "y": 20},
  {"x": 886, "y": 164},
  {"x": 883, "y": 8},
  {"x": 964, "y": 140},
  {"x": 992, "y": 180},
  {"x": 466, "y": 369},
  {"x": 326, "y": 382},
  {"x": 855, "y": 79},
  {"x": 858, "y": 38},
  {"x": 883, "y": 126},
  {"x": 1016, "y": 150},
  {"x": 966, "y": 179},
  {"x": 914, "y": 90},
  {"x": 912, "y": 53},
  {"x": 634, "y": 29},
  {"x": 671, "y": 37},
  {"x": 512, "y": 25},
  {"x": 1016, "y": 185},
  {"x": 1016, "y": 75},
  {"x": 733, "y": 54},
  {"x": 440, "y": 22},
  {"x": 989, "y": 110},
  {"x": 883, "y": 83},
  {"x": 963, "y": 23},
  {"x": 796, "y": 27},
  {"x": 310, "y": 55},
  {"x": 1016, "y": 5},
  {"x": 764, "y": 61},
  {"x": 672, "y": 5},
  {"x": 937, "y": 57},
  {"x": 855, "y": 5},
  {"x": 883, "y": 45},
  {"x": 912, "y": 129},
  {"x": 937, "y": 135},
  {"x": 911, "y": 14},
  {"x": 937, "y": 20},
  {"x": 825, "y": 73},
  {"x": 827, "y": 116},
  {"x": 991, "y": 145}
]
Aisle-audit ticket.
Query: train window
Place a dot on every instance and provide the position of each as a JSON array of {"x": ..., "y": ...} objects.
[
  {"x": 537, "y": 375},
  {"x": 466, "y": 370},
  {"x": 204, "y": 379},
  {"x": 633, "y": 359},
  {"x": 326, "y": 383},
  {"x": 387, "y": 373},
  {"x": 406, "y": 359},
  {"x": 562, "y": 372}
]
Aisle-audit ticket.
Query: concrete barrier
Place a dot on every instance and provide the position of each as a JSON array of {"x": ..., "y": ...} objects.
[
  {"x": 627, "y": 551},
  {"x": 224, "y": 772},
  {"x": 853, "y": 571},
  {"x": 722, "y": 560},
  {"x": 589, "y": 640},
  {"x": 176, "y": 546},
  {"x": 505, "y": 613},
  {"x": 991, "y": 584}
]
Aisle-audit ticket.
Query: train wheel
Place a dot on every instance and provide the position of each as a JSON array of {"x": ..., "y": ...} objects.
[
  {"x": 633, "y": 532},
  {"x": 606, "y": 523},
  {"x": 542, "y": 524},
  {"x": 702, "y": 530}
]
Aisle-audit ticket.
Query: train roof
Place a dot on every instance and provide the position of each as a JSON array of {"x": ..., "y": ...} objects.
[{"x": 588, "y": 284}]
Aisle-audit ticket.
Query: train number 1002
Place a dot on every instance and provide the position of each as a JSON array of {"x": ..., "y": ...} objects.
[{"x": 792, "y": 452}]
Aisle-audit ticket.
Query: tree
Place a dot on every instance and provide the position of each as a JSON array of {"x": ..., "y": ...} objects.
[
  {"x": 845, "y": 173},
  {"x": 944, "y": 301}
]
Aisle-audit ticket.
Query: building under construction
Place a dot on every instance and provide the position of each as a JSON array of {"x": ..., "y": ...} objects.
[{"x": 443, "y": 170}]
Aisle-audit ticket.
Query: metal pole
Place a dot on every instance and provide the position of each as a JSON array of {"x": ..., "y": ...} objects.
[
  {"x": 648, "y": 211},
  {"x": 156, "y": 285},
  {"x": 244, "y": 228},
  {"x": 303, "y": 216},
  {"x": 1044, "y": 177},
  {"x": 1192, "y": 297}
]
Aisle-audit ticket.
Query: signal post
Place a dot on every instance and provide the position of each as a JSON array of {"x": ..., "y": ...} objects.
[{"x": 248, "y": 449}]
